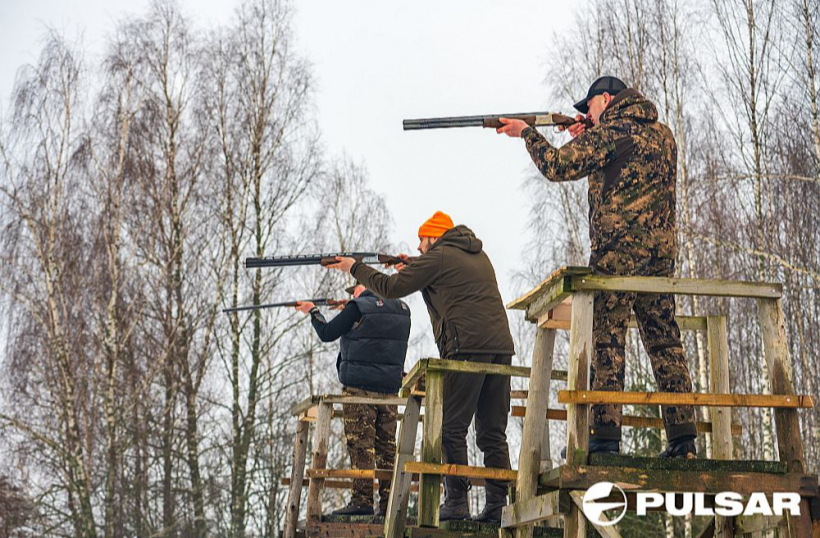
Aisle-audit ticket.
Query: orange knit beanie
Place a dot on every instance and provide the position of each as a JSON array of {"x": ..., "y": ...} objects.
[{"x": 436, "y": 225}]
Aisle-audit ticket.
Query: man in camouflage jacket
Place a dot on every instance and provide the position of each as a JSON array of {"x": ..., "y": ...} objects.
[{"x": 630, "y": 159}]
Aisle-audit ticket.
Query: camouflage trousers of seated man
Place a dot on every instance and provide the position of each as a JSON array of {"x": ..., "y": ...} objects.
[
  {"x": 660, "y": 334},
  {"x": 370, "y": 432}
]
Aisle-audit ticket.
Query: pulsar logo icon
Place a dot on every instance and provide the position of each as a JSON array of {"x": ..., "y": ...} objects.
[{"x": 594, "y": 509}]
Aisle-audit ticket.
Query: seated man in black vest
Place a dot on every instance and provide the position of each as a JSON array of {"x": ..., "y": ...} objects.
[{"x": 374, "y": 334}]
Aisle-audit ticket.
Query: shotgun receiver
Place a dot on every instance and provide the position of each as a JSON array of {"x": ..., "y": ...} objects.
[{"x": 533, "y": 119}]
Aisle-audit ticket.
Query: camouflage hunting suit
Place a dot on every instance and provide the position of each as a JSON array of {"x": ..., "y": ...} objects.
[{"x": 630, "y": 160}]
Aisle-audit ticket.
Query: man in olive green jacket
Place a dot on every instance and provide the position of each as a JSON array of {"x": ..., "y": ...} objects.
[{"x": 469, "y": 321}]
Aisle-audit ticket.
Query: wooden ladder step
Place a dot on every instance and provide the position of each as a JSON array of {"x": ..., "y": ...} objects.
[
  {"x": 466, "y": 471},
  {"x": 685, "y": 398},
  {"x": 627, "y": 420},
  {"x": 355, "y": 474},
  {"x": 683, "y": 464},
  {"x": 667, "y": 480}
]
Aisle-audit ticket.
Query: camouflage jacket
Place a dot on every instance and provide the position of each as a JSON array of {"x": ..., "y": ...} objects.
[{"x": 631, "y": 161}]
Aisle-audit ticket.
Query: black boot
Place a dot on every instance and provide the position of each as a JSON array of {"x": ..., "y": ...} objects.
[
  {"x": 599, "y": 445},
  {"x": 683, "y": 447},
  {"x": 354, "y": 510},
  {"x": 455, "y": 507},
  {"x": 492, "y": 508}
]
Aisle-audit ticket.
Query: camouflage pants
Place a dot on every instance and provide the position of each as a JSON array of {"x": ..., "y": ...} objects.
[
  {"x": 660, "y": 334},
  {"x": 370, "y": 431}
]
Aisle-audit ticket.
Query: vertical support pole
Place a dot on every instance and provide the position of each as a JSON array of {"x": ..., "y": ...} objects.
[
  {"x": 580, "y": 357},
  {"x": 321, "y": 436},
  {"x": 718, "y": 344},
  {"x": 430, "y": 484},
  {"x": 536, "y": 428},
  {"x": 297, "y": 474},
  {"x": 396, "y": 517},
  {"x": 789, "y": 438}
]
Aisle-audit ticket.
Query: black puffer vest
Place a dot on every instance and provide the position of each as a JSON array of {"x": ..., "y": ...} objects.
[{"x": 373, "y": 351}]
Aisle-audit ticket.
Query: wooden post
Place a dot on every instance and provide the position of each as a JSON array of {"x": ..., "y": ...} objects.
[
  {"x": 321, "y": 436},
  {"x": 789, "y": 438},
  {"x": 718, "y": 344},
  {"x": 580, "y": 357},
  {"x": 535, "y": 437},
  {"x": 430, "y": 486},
  {"x": 394, "y": 521},
  {"x": 297, "y": 474}
]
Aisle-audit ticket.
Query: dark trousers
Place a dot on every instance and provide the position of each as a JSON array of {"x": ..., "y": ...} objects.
[{"x": 487, "y": 397}]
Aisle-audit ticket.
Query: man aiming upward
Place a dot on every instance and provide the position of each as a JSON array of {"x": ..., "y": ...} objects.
[
  {"x": 631, "y": 161},
  {"x": 374, "y": 334},
  {"x": 458, "y": 284}
]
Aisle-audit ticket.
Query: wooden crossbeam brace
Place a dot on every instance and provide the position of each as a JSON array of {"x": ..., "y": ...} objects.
[
  {"x": 627, "y": 420},
  {"x": 607, "y": 532},
  {"x": 466, "y": 471},
  {"x": 535, "y": 509},
  {"x": 594, "y": 397},
  {"x": 355, "y": 474},
  {"x": 677, "y": 286}
]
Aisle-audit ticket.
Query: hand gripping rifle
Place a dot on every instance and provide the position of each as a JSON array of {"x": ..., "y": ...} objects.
[
  {"x": 533, "y": 119},
  {"x": 318, "y": 302},
  {"x": 372, "y": 258}
]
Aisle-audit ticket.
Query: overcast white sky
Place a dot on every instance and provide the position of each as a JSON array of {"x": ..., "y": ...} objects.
[{"x": 376, "y": 63}]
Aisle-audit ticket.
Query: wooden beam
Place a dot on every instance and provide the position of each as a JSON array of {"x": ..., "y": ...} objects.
[
  {"x": 607, "y": 532},
  {"x": 535, "y": 436},
  {"x": 683, "y": 464},
  {"x": 297, "y": 473},
  {"x": 400, "y": 487},
  {"x": 431, "y": 447},
  {"x": 367, "y": 400},
  {"x": 685, "y": 323},
  {"x": 355, "y": 474},
  {"x": 718, "y": 344},
  {"x": 469, "y": 367},
  {"x": 466, "y": 471},
  {"x": 710, "y": 482},
  {"x": 302, "y": 407},
  {"x": 757, "y": 523},
  {"x": 593, "y": 397},
  {"x": 343, "y": 484},
  {"x": 415, "y": 373},
  {"x": 546, "y": 285},
  {"x": 526, "y": 512},
  {"x": 677, "y": 286},
  {"x": 627, "y": 420},
  {"x": 321, "y": 435}
]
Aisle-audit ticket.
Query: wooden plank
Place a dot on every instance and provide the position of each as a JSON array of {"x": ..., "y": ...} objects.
[
  {"x": 607, "y": 532},
  {"x": 677, "y": 286},
  {"x": 470, "y": 367},
  {"x": 685, "y": 323},
  {"x": 580, "y": 358},
  {"x": 722, "y": 447},
  {"x": 344, "y": 484},
  {"x": 430, "y": 486},
  {"x": 684, "y": 464},
  {"x": 757, "y": 523},
  {"x": 545, "y": 285},
  {"x": 368, "y": 400},
  {"x": 776, "y": 352},
  {"x": 522, "y": 514},
  {"x": 321, "y": 529},
  {"x": 354, "y": 474},
  {"x": 466, "y": 471},
  {"x": 535, "y": 437},
  {"x": 394, "y": 522},
  {"x": 297, "y": 473},
  {"x": 321, "y": 435},
  {"x": 680, "y": 398},
  {"x": 415, "y": 373},
  {"x": 304, "y": 405},
  {"x": 711, "y": 482},
  {"x": 718, "y": 344},
  {"x": 627, "y": 420}
]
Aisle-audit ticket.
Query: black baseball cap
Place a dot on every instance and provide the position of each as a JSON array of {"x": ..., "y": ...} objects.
[{"x": 610, "y": 85}]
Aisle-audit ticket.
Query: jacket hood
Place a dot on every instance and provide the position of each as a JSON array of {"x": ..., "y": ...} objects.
[
  {"x": 461, "y": 237},
  {"x": 630, "y": 104}
]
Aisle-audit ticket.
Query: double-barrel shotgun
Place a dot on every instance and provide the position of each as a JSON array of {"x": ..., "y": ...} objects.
[
  {"x": 533, "y": 119},
  {"x": 372, "y": 258},
  {"x": 318, "y": 302}
]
